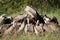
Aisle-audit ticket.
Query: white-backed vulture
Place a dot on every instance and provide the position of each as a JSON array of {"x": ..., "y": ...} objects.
[
  {"x": 54, "y": 19},
  {"x": 33, "y": 14},
  {"x": 21, "y": 27},
  {"x": 46, "y": 19},
  {"x": 20, "y": 18},
  {"x": 38, "y": 28}
]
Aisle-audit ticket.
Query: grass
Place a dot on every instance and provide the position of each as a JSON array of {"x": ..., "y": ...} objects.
[{"x": 47, "y": 36}]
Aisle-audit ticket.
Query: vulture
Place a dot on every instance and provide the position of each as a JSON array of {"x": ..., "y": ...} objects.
[
  {"x": 54, "y": 19},
  {"x": 33, "y": 14}
]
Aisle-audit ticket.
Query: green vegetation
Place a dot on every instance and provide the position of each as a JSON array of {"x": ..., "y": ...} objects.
[
  {"x": 46, "y": 36},
  {"x": 15, "y": 7}
]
